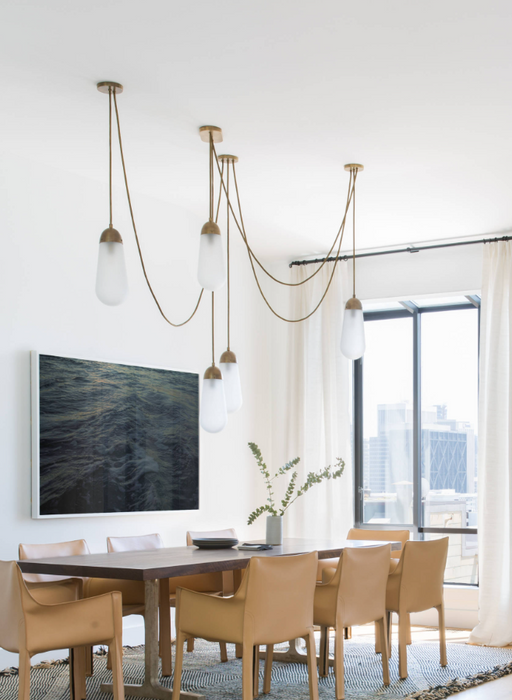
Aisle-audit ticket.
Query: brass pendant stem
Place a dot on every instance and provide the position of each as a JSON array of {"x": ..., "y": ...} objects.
[
  {"x": 213, "y": 329},
  {"x": 227, "y": 237},
  {"x": 110, "y": 152},
  {"x": 354, "y": 238},
  {"x": 211, "y": 176}
]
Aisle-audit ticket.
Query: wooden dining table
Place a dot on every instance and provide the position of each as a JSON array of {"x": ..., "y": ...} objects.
[{"x": 155, "y": 567}]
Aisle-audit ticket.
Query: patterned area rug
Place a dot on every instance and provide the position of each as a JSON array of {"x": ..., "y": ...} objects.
[{"x": 203, "y": 673}]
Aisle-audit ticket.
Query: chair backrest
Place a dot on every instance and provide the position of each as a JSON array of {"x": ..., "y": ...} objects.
[
  {"x": 12, "y": 618},
  {"x": 210, "y": 533},
  {"x": 380, "y": 535},
  {"x": 279, "y": 594},
  {"x": 361, "y": 578},
  {"x": 54, "y": 549},
  {"x": 422, "y": 568},
  {"x": 133, "y": 544}
]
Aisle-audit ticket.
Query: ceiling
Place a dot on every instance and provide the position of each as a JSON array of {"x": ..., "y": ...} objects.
[{"x": 420, "y": 93}]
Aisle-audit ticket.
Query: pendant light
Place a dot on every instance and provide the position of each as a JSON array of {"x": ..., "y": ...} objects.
[
  {"x": 111, "y": 279},
  {"x": 352, "y": 334},
  {"x": 228, "y": 363},
  {"x": 213, "y": 414},
  {"x": 211, "y": 271}
]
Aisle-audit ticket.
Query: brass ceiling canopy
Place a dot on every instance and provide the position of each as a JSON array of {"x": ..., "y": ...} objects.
[
  {"x": 351, "y": 167},
  {"x": 215, "y": 131},
  {"x": 225, "y": 158},
  {"x": 106, "y": 84}
]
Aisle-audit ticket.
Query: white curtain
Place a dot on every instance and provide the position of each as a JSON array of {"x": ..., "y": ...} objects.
[
  {"x": 495, "y": 449},
  {"x": 319, "y": 405}
]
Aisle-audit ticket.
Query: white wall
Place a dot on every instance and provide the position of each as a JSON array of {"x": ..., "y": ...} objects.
[{"x": 50, "y": 223}]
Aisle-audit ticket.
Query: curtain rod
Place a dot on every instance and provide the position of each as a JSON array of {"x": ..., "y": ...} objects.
[{"x": 411, "y": 249}]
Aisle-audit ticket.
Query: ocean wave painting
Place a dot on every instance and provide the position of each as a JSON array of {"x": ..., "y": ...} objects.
[{"x": 116, "y": 438}]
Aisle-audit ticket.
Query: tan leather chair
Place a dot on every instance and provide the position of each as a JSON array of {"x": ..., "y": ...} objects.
[
  {"x": 273, "y": 604},
  {"x": 217, "y": 583},
  {"x": 355, "y": 595},
  {"x": 64, "y": 588},
  {"x": 28, "y": 627},
  {"x": 417, "y": 585},
  {"x": 379, "y": 535}
]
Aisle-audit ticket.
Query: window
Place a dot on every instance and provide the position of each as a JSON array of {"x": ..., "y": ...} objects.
[{"x": 415, "y": 440}]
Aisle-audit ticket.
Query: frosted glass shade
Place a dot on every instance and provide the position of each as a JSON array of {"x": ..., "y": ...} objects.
[
  {"x": 232, "y": 386},
  {"x": 111, "y": 279},
  {"x": 352, "y": 334},
  {"x": 211, "y": 271},
  {"x": 213, "y": 415}
]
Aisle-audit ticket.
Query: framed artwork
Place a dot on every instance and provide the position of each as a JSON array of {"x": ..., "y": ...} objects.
[{"x": 112, "y": 439}]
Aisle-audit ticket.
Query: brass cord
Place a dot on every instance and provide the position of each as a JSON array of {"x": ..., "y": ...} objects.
[
  {"x": 110, "y": 153},
  {"x": 176, "y": 325},
  {"x": 220, "y": 196},
  {"x": 304, "y": 318},
  {"x": 241, "y": 228}
]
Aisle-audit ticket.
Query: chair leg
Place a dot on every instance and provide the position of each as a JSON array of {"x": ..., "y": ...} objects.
[
  {"x": 267, "y": 678},
  {"x": 256, "y": 670},
  {"x": 223, "y": 652},
  {"x": 89, "y": 664},
  {"x": 347, "y": 632},
  {"x": 77, "y": 666},
  {"x": 24, "y": 676},
  {"x": 312, "y": 677},
  {"x": 442, "y": 634},
  {"x": 323, "y": 668},
  {"x": 409, "y": 635},
  {"x": 381, "y": 624},
  {"x": 402, "y": 645},
  {"x": 378, "y": 646},
  {"x": 339, "y": 666},
  {"x": 178, "y": 664},
  {"x": 190, "y": 644},
  {"x": 238, "y": 651},
  {"x": 389, "y": 628},
  {"x": 247, "y": 682}
]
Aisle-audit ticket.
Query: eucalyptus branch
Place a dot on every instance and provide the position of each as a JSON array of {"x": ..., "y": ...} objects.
[
  {"x": 266, "y": 475},
  {"x": 289, "y": 498}
]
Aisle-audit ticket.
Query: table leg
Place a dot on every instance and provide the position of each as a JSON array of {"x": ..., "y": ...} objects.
[
  {"x": 165, "y": 627},
  {"x": 151, "y": 688}
]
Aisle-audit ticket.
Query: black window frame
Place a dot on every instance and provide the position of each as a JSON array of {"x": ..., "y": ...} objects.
[{"x": 409, "y": 308}]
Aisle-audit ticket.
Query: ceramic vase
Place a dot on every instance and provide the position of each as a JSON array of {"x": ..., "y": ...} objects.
[{"x": 274, "y": 529}]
